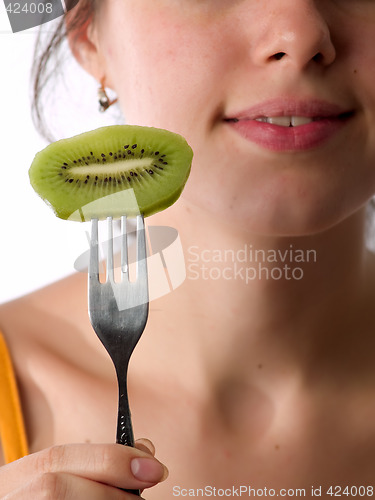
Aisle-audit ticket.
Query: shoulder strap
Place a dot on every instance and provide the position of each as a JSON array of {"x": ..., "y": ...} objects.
[{"x": 12, "y": 429}]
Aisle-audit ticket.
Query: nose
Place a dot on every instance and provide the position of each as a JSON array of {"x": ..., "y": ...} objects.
[{"x": 294, "y": 32}]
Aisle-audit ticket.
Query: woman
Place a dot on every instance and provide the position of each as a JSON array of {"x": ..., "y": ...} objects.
[{"x": 258, "y": 371}]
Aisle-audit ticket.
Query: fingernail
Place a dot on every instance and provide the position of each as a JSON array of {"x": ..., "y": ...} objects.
[{"x": 148, "y": 469}]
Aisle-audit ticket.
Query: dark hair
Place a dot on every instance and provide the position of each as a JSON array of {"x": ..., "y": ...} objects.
[{"x": 47, "y": 54}]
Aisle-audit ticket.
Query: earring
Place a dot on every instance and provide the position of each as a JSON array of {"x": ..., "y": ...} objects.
[{"x": 104, "y": 101}]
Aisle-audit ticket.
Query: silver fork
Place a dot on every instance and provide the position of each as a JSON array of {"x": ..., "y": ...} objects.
[{"x": 118, "y": 312}]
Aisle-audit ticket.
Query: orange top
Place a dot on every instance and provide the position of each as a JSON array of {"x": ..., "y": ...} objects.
[{"x": 12, "y": 429}]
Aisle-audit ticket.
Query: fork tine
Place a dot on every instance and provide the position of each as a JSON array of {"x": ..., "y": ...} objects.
[
  {"x": 141, "y": 248},
  {"x": 110, "y": 264},
  {"x": 124, "y": 247},
  {"x": 94, "y": 251}
]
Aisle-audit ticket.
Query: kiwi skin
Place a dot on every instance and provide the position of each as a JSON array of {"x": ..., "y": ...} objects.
[{"x": 112, "y": 171}]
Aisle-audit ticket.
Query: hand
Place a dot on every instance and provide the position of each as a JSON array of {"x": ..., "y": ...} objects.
[{"x": 77, "y": 471}]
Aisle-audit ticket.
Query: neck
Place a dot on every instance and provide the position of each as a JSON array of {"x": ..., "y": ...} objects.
[{"x": 249, "y": 301}]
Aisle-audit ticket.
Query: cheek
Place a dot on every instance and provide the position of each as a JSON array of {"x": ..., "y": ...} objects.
[
  {"x": 362, "y": 82},
  {"x": 356, "y": 62},
  {"x": 166, "y": 71},
  {"x": 150, "y": 66}
]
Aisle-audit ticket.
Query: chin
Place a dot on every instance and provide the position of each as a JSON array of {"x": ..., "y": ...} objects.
[
  {"x": 299, "y": 200},
  {"x": 259, "y": 216}
]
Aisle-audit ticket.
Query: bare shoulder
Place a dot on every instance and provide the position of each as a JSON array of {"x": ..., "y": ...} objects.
[
  {"x": 38, "y": 330},
  {"x": 56, "y": 361},
  {"x": 31, "y": 318},
  {"x": 51, "y": 327}
]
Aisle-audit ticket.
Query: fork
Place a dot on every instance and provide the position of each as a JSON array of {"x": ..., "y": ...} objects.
[{"x": 118, "y": 312}]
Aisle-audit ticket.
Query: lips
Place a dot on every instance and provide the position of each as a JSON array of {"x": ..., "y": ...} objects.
[{"x": 290, "y": 125}]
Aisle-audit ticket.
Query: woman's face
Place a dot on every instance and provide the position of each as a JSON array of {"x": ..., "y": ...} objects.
[{"x": 215, "y": 70}]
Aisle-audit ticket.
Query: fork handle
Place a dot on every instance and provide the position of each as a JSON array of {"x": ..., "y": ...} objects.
[
  {"x": 124, "y": 433},
  {"x": 124, "y": 423}
]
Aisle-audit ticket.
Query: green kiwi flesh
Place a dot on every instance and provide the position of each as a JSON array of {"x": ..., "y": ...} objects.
[{"x": 112, "y": 171}]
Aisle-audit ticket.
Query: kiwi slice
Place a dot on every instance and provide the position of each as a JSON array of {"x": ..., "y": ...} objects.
[{"x": 112, "y": 171}]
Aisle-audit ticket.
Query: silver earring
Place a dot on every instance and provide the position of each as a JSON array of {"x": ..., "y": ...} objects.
[{"x": 104, "y": 100}]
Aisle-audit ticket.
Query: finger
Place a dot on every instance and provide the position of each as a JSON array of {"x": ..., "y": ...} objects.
[
  {"x": 145, "y": 445},
  {"x": 112, "y": 464},
  {"x": 67, "y": 487}
]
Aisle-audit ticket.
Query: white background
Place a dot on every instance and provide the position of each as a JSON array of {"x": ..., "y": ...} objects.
[{"x": 36, "y": 247}]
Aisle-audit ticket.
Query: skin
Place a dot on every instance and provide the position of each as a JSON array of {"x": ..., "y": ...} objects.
[{"x": 270, "y": 382}]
